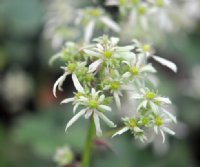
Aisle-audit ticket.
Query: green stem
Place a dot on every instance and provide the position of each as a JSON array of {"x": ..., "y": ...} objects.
[{"x": 88, "y": 144}]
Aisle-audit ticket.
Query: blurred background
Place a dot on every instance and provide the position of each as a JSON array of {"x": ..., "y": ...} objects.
[{"x": 31, "y": 120}]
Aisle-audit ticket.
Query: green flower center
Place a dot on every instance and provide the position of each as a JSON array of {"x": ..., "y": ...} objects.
[
  {"x": 160, "y": 3},
  {"x": 107, "y": 54},
  {"x": 150, "y": 95},
  {"x": 141, "y": 10},
  {"x": 135, "y": 1},
  {"x": 132, "y": 123},
  {"x": 135, "y": 71},
  {"x": 71, "y": 67},
  {"x": 158, "y": 121},
  {"x": 122, "y": 2},
  {"x": 145, "y": 121},
  {"x": 114, "y": 85},
  {"x": 146, "y": 48},
  {"x": 93, "y": 104}
]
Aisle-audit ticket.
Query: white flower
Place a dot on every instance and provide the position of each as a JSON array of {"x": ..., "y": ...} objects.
[
  {"x": 150, "y": 98},
  {"x": 147, "y": 51},
  {"x": 160, "y": 125},
  {"x": 131, "y": 124},
  {"x": 138, "y": 69},
  {"x": 106, "y": 50},
  {"x": 116, "y": 84},
  {"x": 70, "y": 69},
  {"x": 64, "y": 156},
  {"x": 91, "y": 17},
  {"x": 94, "y": 107}
]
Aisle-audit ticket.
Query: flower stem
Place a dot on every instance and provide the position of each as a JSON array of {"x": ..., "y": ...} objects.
[{"x": 88, "y": 144}]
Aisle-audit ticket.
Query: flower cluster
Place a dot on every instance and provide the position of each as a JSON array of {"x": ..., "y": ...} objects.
[
  {"x": 147, "y": 13},
  {"x": 103, "y": 72}
]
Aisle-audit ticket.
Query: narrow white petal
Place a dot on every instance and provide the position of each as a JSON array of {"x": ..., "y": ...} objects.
[
  {"x": 163, "y": 135},
  {"x": 106, "y": 120},
  {"x": 138, "y": 130},
  {"x": 168, "y": 130},
  {"x": 110, "y": 23},
  {"x": 163, "y": 99},
  {"x": 126, "y": 75},
  {"x": 124, "y": 48},
  {"x": 101, "y": 98},
  {"x": 94, "y": 66},
  {"x": 75, "y": 107},
  {"x": 75, "y": 118},
  {"x": 89, "y": 29},
  {"x": 88, "y": 114},
  {"x": 171, "y": 116},
  {"x": 153, "y": 107},
  {"x": 104, "y": 107},
  {"x": 68, "y": 100},
  {"x": 97, "y": 124},
  {"x": 156, "y": 129},
  {"x": 148, "y": 68},
  {"x": 166, "y": 63},
  {"x": 125, "y": 129},
  {"x": 53, "y": 58},
  {"x": 77, "y": 84},
  {"x": 117, "y": 100},
  {"x": 91, "y": 53},
  {"x": 59, "y": 83},
  {"x": 114, "y": 40},
  {"x": 137, "y": 96}
]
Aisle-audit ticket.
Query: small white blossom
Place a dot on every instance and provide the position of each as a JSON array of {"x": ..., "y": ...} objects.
[
  {"x": 147, "y": 51},
  {"x": 94, "y": 107},
  {"x": 131, "y": 124},
  {"x": 160, "y": 126},
  {"x": 90, "y": 17},
  {"x": 106, "y": 50},
  {"x": 69, "y": 69},
  {"x": 148, "y": 97}
]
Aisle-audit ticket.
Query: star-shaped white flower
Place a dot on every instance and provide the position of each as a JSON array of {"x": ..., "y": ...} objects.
[{"x": 94, "y": 106}]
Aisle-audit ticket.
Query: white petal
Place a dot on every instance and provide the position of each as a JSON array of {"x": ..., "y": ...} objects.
[
  {"x": 117, "y": 100},
  {"x": 106, "y": 120},
  {"x": 77, "y": 84},
  {"x": 171, "y": 132},
  {"x": 166, "y": 63},
  {"x": 137, "y": 96},
  {"x": 59, "y": 83},
  {"x": 75, "y": 118},
  {"x": 148, "y": 68},
  {"x": 153, "y": 107},
  {"x": 156, "y": 129},
  {"x": 88, "y": 114},
  {"x": 91, "y": 53},
  {"x": 101, "y": 98},
  {"x": 126, "y": 75},
  {"x": 97, "y": 124},
  {"x": 94, "y": 66},
  {"x": 138, "y": 130},
  {"x": 125, "y": 129},
  {"x": 124, "y": 48},
  {"x": 68, "y": 100},
  {"x": 89, "y": 32},
  {"x": 163, "y": 99},
  {"x": 104, "y": 107},
  {"x": 114, "y": 40},
  {"x": 75, "y": 107},
  {"x": 110, "y": 23},
  {"x": 53, "y": 58},
  {"x": 171, "y": 116},
  {"x": 163, "y": 135}
]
